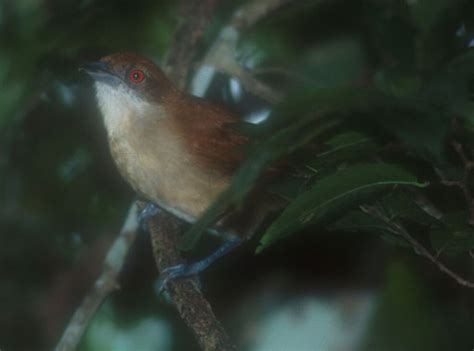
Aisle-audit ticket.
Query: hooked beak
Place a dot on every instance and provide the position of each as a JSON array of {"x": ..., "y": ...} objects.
[{"x": 100, "y": 72}]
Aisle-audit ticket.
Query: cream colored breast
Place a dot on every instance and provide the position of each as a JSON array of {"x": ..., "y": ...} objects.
[{"x": 158, "y": 167}]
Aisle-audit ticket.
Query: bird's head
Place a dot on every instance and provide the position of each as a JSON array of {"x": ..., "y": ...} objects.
[{"x": 128, "y": 84}]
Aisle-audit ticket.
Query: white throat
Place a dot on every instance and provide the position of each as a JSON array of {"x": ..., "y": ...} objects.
[{"x": 119, "y": 106}]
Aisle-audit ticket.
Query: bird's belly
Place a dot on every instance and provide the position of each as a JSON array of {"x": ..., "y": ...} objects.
[{"x": 168, "y": 178}]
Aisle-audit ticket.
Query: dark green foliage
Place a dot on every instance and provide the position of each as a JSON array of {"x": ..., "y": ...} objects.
[
  {"x": 453, "y": 235},
  {"x": 378, "y": 113},
  {"x": 418, "y": 107},
  {"x": 336, "y": 194}
]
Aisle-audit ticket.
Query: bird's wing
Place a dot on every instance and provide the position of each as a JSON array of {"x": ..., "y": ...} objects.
[{"x": 213, "y": 135}]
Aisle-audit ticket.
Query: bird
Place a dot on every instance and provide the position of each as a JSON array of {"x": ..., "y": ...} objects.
[{"x": 178, "y": 152}]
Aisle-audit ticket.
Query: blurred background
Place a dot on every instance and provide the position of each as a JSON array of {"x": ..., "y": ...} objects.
[{"x": 62, "y": 202}]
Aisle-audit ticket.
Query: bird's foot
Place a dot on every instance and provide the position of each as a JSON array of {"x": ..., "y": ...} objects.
[
  {"x": 193, "y": 269},
  {"x": 149, "y": 211},
  {"x": 179, "y": 271}
]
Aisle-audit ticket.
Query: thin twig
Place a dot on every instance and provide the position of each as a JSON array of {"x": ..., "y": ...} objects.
[
  {"x": 427, "y": 206},
  {"x": 222, "y": 53},
  {"x": 399, "y": 229},
  {"x": 462, "y": 184},
  {"x": 192, "y": 306},
  {"x": 103, "y": 286}
]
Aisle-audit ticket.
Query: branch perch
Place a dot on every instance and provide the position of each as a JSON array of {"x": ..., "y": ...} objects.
[
  {"x": 104, "y": 285},
  {"x": 192, "y": 306}
]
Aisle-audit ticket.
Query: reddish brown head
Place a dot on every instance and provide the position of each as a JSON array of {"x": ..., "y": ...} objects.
[{"x": 131, "y": 72}]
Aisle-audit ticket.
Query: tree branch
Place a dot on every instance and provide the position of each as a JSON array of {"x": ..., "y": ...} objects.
[
  {"x": 222, "y": 54},
  {"x": 462, "y": 184},
  {"x": 398, "y": 229},
  {"x": 103, "y": 286},
  {"x": 195, "y": 16},
  {"x": 192, "y": 306}
]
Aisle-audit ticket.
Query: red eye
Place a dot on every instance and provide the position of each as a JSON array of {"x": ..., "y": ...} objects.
[{"x": 136, "y": 76}]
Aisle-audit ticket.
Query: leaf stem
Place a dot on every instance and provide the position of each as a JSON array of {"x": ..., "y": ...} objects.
[
  {"x": 462, "y": 184},
  {"x": 399, "y": 229}
]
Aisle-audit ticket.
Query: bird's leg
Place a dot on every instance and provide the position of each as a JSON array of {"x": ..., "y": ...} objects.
[
  {"x": 186, "y": 270},
  {"x": 149, "y": 211}
]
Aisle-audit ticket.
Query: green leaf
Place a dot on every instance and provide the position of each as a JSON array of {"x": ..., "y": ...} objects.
[
  {"x": 334, "y": 194},
  {"x": 345, "y": 147},
  {"x": 361, "y": 222},
  {"x": 347, "y": 140},
  {"x": 398, "y": 205},
  {"x": 421, "y": 125}
]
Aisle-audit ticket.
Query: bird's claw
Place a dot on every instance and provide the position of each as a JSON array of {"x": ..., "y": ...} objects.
[
  {"x": 186, "y": 270},
  {"x": 149, "y": 211},
  {"x": 176, "y": 272}
]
